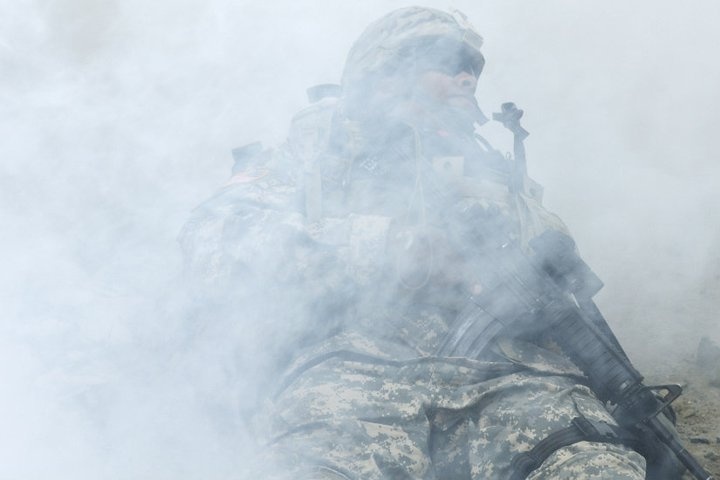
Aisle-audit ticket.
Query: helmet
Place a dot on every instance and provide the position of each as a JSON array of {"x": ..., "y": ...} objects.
[
  {"x": 410, "y": 39},
  {"x": 408, "y": 34}
]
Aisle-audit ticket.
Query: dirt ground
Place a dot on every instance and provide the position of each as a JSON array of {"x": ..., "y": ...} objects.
[
  {"x": 698, "y": 409},
  {"x": 680, "y": 355},
  {"x": 699, "y": 417}
]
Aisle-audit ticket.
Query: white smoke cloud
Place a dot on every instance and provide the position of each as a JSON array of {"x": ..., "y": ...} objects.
[{"x": 117, "y": 118}]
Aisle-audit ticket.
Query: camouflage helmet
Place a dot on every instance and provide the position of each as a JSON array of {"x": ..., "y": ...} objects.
[
  {"x": 406, "y": 34},
  {"x": 406, "y": 40}
]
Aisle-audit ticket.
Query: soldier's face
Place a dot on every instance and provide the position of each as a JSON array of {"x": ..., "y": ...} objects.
[
  {"x": 446, "y": 75},
  {"x": 436, "y": 82},
  {"x": 445, "y": 89}
]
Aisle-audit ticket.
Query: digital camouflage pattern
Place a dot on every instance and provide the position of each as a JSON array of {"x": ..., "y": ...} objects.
[
  {"x": 362, "y": 416},
  {"x": 361, "y": 231},
  {"x": 372, "y": 402},
  {"x": 385, "y": 40}
]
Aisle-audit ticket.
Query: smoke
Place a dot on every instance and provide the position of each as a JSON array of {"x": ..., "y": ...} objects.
[{"x": 117, "y": 119}]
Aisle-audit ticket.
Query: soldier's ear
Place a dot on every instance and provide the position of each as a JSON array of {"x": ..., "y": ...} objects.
[
  {"x": 394, "y": 85},
  {"x": 387, "y": 92}
]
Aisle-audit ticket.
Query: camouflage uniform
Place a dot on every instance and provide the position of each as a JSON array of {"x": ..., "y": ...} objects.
[{"x": 350, "y": 223}]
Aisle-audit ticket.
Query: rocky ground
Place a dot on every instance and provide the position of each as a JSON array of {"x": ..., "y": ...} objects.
[
  {"x": 699, "y": 416},
  {"x": 690, "y": 357}
]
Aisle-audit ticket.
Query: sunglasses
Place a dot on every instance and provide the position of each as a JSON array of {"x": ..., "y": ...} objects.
[
  {"x": 448, "y": 57},
  {"x": 453, "y": 64}
]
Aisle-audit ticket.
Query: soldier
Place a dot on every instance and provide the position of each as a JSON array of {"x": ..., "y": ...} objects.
[{"x": 363, "y": 229}]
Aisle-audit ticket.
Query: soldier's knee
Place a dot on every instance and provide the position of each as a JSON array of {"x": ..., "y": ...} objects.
[{"x": 592, "y": 461}]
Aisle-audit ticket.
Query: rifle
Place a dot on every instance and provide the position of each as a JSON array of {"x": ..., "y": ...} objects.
[{"x": 550, "y": 294}]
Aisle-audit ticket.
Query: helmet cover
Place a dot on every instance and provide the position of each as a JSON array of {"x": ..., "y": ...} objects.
[{"x": 408, "y": 34}]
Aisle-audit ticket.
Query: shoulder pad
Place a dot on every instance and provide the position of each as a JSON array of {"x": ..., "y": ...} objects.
[
  {"x": 243, "y": 156},
  {"x": 251, "y": 163}
]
